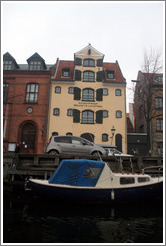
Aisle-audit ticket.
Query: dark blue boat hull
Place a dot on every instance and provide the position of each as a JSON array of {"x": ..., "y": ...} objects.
[{"x": 120, "y": 195}]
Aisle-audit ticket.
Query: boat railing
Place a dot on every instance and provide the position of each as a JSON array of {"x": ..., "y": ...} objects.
[{"x": 154, "y": 171}]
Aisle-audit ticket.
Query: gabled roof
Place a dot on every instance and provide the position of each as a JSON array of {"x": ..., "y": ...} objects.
[
  {"x": 84, "y": 51},
  {"x": 35, "y": 57},
  {"x": 7, "y": 57}
]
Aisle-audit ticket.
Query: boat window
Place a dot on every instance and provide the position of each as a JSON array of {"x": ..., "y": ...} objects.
[
  {"x": 92, "y": 172},
  {"x": 127, "y": 180},
  {"x": 143, "y": 179}
]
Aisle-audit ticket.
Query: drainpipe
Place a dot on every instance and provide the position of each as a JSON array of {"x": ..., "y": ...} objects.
[{"x": 6, "y": 120}]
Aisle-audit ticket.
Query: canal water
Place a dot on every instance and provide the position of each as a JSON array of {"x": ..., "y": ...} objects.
[{"x": 28, "y": 219}]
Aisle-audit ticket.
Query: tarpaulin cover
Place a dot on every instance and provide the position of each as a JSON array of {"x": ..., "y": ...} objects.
[{"x": 81, "y": 172}]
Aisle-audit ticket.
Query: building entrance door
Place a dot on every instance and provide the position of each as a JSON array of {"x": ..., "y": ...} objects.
[{"x": 28, "y": 138}]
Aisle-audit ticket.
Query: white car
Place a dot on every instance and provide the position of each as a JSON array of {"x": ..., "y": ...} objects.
[{"x": 112, "y": 151}]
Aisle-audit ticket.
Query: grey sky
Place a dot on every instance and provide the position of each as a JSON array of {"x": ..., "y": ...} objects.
[{"x": 119, "y": 30}]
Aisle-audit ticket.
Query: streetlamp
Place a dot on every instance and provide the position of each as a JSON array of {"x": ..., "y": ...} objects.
[{"x": 113, "y": 133}]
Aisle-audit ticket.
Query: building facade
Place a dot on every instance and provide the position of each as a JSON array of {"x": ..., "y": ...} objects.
[
  {"x": 25, "y": 103},
  {"x": 148, "y": 104},
  {"x": 88, "y": 99}
]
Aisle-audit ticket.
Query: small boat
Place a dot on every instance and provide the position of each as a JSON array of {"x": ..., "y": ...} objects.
[{"x": 83, "y": 180}]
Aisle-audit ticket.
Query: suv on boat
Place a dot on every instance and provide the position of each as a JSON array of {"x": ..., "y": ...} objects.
[{"x": 73, "y": 145}]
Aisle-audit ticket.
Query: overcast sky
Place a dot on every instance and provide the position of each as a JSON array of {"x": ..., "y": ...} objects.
[{"x": 119, "y": 30}]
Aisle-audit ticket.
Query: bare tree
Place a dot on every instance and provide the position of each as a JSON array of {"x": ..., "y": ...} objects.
[{"x": 147, "y": 89}]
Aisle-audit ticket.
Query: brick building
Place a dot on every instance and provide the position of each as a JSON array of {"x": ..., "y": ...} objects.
[
  {"x": 25, "y": 103},
  {"x": 148, "y": 105}
]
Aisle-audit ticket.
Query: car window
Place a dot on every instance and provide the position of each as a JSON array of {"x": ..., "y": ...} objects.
[
  {"x": 62, "y": 139},
  {"x": 76, "y": 141}
]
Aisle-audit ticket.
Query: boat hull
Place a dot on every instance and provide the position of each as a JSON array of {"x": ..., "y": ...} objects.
[{"x": 98, "y": 195}]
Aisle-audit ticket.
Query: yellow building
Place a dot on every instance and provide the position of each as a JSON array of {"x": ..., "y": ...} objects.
[{"x": 88, "y": 98}]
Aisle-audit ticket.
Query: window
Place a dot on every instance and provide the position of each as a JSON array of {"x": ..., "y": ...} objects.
[
  {"x": 35, "y": 65},
  {"x": 71, "y": 90},
  {"x": 70, "y": 112},
  {"x": 88, "y": 117},
  {"x": 89, "y": 76},
  {"x": 5, "y": 92},
  {"x": 56, "y": 111},
  {"x": 92, "y": 172},
  {"x": 32, "y": 93},
  {"x": 62, "y": 139},
  {"x": 127, "y": 181},
  {"x": 118, "y": 92},
  {"x": 159, "y": 79},
  {"x": 143, "y": 179},
  {"x": 105, "y": 114},
  {"x": 105, "y": 92},
  {"x": 89, "y": 63},
  {"x": 159, "y": 124},
  {"x": 118, "y": 114},
  {"x": 159, "y": 102},
  {"x": 88, "y": 95},
  {"x": 69, "y": 134},
  {"x": 57, "y": 89},
  {"x": 160, "y": 148},
  {"x": 7, "y": 65},
  {"x": 110, "y": 75},
  {"x": 54, "y": 133},
  {"x": 11, "y": 146},
  {"x": 104, "y": 137},
  {"x": 66, "y": 72}
]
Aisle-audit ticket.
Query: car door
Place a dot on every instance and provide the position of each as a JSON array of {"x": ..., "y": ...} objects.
[
  {"x": 79, "y": 147},
  {"x": 64, "y": 144}
]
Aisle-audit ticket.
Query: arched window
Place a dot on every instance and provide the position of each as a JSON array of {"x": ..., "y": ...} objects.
[
  {"x": 88, "y": 95},
  {"x": 32, "y": 93},
  {"x": 56, "y": 111},
  {"x": 118, "y": 92},
  {"x": 54, "y": 133},
  {"x": 69, "y": 134},
  {"x": 88, "y": 117},
  {"x": 70, "y": 112},
  {"x": 89, "y": 136},
  {"x": 89, "y": 63},
  {"x": 57, "y": 89},
  {"x": 89, "y": 76},
  {"x": 118, "y": 114},
  {"x": 118, "y": 142}
]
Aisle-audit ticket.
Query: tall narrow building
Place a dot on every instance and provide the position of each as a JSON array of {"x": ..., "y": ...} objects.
[{"x": 88, "y": 99}]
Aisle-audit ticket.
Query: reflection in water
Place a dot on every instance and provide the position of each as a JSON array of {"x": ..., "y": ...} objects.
[{"x": 31, "y": 220}]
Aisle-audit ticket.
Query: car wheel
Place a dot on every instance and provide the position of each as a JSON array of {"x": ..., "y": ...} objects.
[
  {"x": 53, "y": 152},
  {"x": 96, "y": 153}
]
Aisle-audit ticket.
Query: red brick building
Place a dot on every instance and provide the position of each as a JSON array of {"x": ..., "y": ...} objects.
[{"x": 25, "y": 103}]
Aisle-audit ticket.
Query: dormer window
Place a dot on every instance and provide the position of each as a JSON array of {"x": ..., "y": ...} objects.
[
  {"x": 110, "y": 75},
  {"x": 66, "y": 72},
  {"x": 36, "y": 62},
  {"x": 35, "y": 65},
  {"x": 7, "y": 65},
  {"x": 89, "y": 63}
]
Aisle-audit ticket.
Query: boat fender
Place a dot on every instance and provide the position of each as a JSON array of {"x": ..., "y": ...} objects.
[{"x": 112, "y": 195}]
